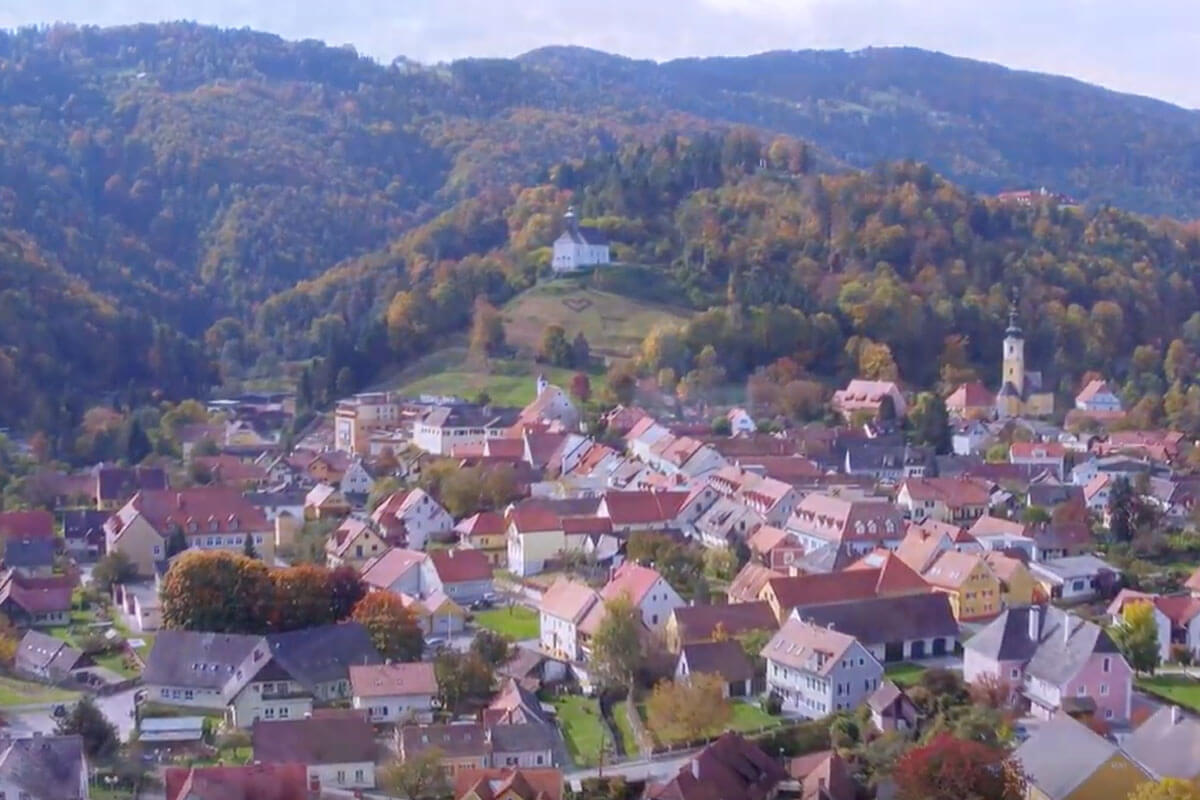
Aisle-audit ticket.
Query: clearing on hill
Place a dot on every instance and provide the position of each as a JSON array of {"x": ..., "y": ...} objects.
[{"x": 614, "y": 325}]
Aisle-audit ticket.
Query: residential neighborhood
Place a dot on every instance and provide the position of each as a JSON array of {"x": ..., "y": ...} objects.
[{"x": 777, "y": 584}]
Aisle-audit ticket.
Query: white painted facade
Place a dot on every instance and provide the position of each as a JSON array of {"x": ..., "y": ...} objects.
[
  {"x": 398, "y": 708},
  {"x": 350, "y": 775}
]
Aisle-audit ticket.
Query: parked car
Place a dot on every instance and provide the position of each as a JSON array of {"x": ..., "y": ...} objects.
[{"x": 481, "y": 604}]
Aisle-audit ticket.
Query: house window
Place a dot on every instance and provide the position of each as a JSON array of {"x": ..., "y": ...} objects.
[
  {"x": 268, "y": 713},
  {"x": 1081, "y": 691},
  {"x": 1108, "y": 713},
  {"x": 1014, "y": 673},
  {"x": 188, "y": 694},
  {"x": 1106, "y": 665},
  {"x": 358, "y": 776},
  {"x": 539, "y": 763},
  {"x": 284, "y": 711},
  {"x": 341, "y": 776},
  {"x": 1103, "y": 688}
]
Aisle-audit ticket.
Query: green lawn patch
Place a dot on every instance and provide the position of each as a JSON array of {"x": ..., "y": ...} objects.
[
  {"x": 17, "y": 692},
  {"x": 1178, "y": 689},
  {"x": 516, "y": 623},
  {"x": 628, "y": 738},
  {"x": 582, "y": 727},
  {"x": 115, "y": 661},
  {"x": 904, "y": 673},
  {"x": 750, "y": 717}
]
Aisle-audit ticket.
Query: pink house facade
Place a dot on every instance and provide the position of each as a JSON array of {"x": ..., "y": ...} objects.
[{"x": 1056, "y": 660}]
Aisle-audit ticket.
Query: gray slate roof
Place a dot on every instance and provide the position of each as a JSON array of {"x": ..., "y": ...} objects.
[
  {"x": 40, "y": 653},
  {"x": 1168, "y": 744},
  {"x": 523, "y": 738},
  {"x": 1061, "y": 755},
  {"x": 1051, "y": 656},
  {"x": 45, "y": 767},
  {"x": 197, "y": 660},
  {"x": 29, "y": 553},
  {"x": 726, "y": 659},
  {"x": 323, "y": 654},
  {"x": 888, "y": 619}
]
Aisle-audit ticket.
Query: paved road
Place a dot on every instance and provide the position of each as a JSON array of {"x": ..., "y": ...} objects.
[
  {"x": 37, "y": 718},
  {"x": 642, "y": 769}
]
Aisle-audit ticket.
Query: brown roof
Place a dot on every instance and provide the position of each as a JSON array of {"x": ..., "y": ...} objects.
[
  {"x": 802, "y": 645},
  {"x": 700, "y": 623},
  {"x": 330, "y": 736},
  {"x": 631, "y": 508},
  {"x": 580, "y": 525},
  {"x": 748, "y": 584},
  {"x": 954, "y": 492},
  {"x": 230, "y": 469},
  {"x": 1040, "y": 450},
  {"x": 725, "y": 658},
  {"x": 524, "y": 783},
  {"x": 876, "y": 575},
  {"x": 38, "y": 595},
  {"x": 767, "y": 538},
  {"x": 895, "y": 577},
  {"x": 970, "y": 395},
  {"x": 458, "y": 566},
  {"x": 995, "y": 526},
  {"x": 386, "y": 680},
  {"x": 248, "y": 782},
  {"x": 920, "y": 546},
  {"x": 823, "y": 776},
  {"x": 26, "y": 524},
  {"x": 203, "y": 507},
  {"x": 731, "y": 768},
  {"x": 1005, "y": 566},
  {"x": 532, "y": 518}
]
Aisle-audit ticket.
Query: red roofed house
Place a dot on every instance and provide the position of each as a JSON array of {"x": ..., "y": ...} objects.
[
  {"x": 863, "y": 395},
  {"x": 970, "y": 583},
  {"x": 1051, "y": 456},
  {"x": 1176, "y": 617},
  {"x": 26, "y": 525},
  {"x": 925, "y": 542},
  {"x": 824, "y": 775},
  {"x": 535, "y": 535},
  {"x": 210, "y": 518},
  {"x": 411, "y": 517},
  {"x": 731, "y": 768},
  {"x": 246, "y": 782},
  {"x": 394, "y": 693},
  {"x": 401, "y": 571},
  {"x": 465, "y": 575},
  {"x": 640, "y": 511},
  {"x": 971, "y": 401},
  {"x": 485, "y": 532},
  {"x": 1098, "y": 397},
  {"x": 353, "y": 543},
  {"x": 36, "y": 602},
  {"x": 879, "y": 574},
  {"x": 561, "y": 611},
  {"x": 508, "y": 784},
  {"x": 647, "y": 590},
  {"x": 960, "y": 501},
  {"x": 860, "y": 525}
]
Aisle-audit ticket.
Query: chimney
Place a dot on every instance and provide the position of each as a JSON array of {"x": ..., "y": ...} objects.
[
  {"x": 696, "y": 768},
  {"x": 1035, "y": 614}
]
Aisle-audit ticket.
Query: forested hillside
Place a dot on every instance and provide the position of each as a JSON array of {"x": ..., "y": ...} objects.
[{"x": 181, "y": 205}]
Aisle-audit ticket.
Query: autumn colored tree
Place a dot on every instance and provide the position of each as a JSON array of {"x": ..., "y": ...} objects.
[
  {"x": 393, "y": 628},
  {"x": 948, "y": 768},
  {"x": 581, "y": 387},
  {"x": 418, "y": 777},
  {"x": 217, "y": 591},
  {"x": 487, "y": 329},
  {"x": 1137, "y": 636},
  {"x": 465, "y": 680},
  {"x": 554, "y": 348},
  {"x": 302, "y": 597},
  {"x": 346, "y": 588},
  {"x": 1166, "y": 789},
  {"x": 688, "y": 710},
  {"x": 617, "y": 647}
]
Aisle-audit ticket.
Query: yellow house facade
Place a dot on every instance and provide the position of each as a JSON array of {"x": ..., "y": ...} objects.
[
  {"x": 1018, "y": 587},
  {"x": 353, "y": 543},
  {"x": 971, "y": 585}
]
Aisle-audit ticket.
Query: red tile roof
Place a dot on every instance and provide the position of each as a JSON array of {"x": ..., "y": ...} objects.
[
  {"x": 38, "y": 595},
  {"x": 1093, "y": 388},
  {"x": 952, "y": 568},
  {"x": 970, "y": 395},
  {"x": 632, "y": 508},
  {"x": 895, "y": 577},
  {"x": 523, "y": 783},
  {"x": 569, "y": 600},
  {"x": 387, "y": 568},
  {"x": 485, "y": 523},
  {"x": 387, "y": 680},
  {"x": 200, "y": 510},
  {"x": 530, "y": 519},
  {"x": 458, "y": 566},
  {"x": 630, "y": 579},
  {"x": 26, "y": 524},
  {"x": 954, "y": 492},
  {"x": 578, "y": 525},
  {"x": 1037, "y": 450},
  {"x": 249, "y": 782}
]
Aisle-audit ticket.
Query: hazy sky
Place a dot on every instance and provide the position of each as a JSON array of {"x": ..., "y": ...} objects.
[{"x": 1149, "y": 47}]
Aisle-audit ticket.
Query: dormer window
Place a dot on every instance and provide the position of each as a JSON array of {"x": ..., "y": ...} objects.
[
  {"x": 213, "y": 525},
  {"x": 192, "y": 526}
]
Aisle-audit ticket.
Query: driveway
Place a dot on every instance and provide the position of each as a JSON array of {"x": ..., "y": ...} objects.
[{"x": 38, "y": 718}]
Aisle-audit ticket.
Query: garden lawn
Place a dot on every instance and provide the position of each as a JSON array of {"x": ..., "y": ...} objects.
[
  {"x": 582, "y": 727},
  {"x": 903, "y": 673},
  {"x": 516, "y": 623},
  {"x": 1178, "y": 689},
  {"x": 16, "y": 692},
  {"x": 628, "y": 738},
  {"x": 750, "y": 717}
]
